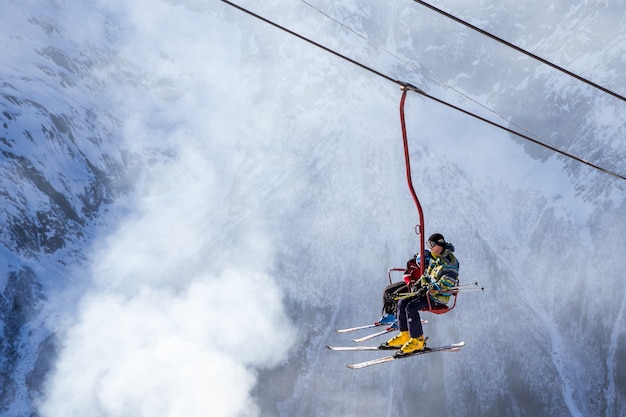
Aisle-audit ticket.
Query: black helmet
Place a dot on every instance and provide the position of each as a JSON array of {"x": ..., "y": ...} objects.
[{"x": 436, "y": 239}]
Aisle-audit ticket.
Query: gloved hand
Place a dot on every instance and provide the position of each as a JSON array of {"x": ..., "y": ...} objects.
[{"x": 422, "y": 291}]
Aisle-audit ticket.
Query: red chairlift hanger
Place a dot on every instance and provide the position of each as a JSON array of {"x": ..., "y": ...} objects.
[{"x": 419, "y": 229}]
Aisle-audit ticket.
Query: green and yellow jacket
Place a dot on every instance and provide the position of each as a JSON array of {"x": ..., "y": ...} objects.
[{"x": 442, "y": 275}]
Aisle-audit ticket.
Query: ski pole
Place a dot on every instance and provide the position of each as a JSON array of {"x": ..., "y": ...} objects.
[{"x": 464, "y": 288}]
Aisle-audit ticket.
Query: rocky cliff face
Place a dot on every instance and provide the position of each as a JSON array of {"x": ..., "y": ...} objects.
[
  {"x": 306, "y": 149},
  {"x": 61, "y": 168}
]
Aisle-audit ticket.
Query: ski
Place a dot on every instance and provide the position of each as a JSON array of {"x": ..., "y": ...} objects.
[
  {"x": 355, "y": 348},
  {"x": 455, "y": 347},
  {"x": 368, "y": 326},
  {"x": 373, "y": 335}
]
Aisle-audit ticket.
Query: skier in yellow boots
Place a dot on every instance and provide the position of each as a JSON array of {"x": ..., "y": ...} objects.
[{"x": 430, "y": 292}]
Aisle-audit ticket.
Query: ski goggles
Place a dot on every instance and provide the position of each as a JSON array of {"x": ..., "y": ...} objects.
[{"x": 433, "y": 243}]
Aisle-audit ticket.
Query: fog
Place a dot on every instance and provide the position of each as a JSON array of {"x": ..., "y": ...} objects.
[{"x": 266, "y": 199}]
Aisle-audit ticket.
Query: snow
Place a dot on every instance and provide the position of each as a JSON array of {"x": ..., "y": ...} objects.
[{"x": 261, "y": 198}]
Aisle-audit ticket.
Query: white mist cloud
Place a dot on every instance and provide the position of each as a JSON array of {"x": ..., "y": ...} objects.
[
  {"x": 158, "y": 353},
  {"x": 173, "y": 325},
  {"x": 183, "y": 308}
]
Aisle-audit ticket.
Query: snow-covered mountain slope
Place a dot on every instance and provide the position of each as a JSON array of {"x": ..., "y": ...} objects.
[{"x": 194, "y": 200}]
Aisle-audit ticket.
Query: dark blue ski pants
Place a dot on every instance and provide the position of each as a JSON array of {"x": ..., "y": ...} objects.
[{"x": 409, "y": 314}]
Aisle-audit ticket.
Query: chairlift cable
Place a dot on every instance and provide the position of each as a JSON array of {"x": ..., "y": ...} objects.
[
  {"x": 418, "y": 69},
  {"x": 523, "y": 51},
  {"x": 297, "y": 35},
  {"x": 419, "y": 91}
]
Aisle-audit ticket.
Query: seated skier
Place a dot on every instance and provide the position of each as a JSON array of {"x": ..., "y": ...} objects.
[
  {"x": 432, "y": 290},
  {"x": 390, "y": 293}
]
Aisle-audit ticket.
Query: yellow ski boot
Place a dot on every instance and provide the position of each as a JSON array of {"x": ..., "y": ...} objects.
[
  {"x": 414, "y": 344},
  {"x": 396, "y": 342}
]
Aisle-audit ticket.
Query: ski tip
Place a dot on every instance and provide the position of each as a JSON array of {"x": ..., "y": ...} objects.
[
  {"x": 329, "y": 347},
  {"x": 348, "y": 330},
  {"x": 454, "y": 349}
]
